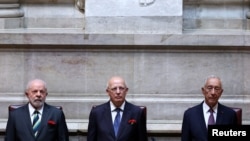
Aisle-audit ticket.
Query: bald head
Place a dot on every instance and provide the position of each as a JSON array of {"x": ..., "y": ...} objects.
[
  {"x": 114, "y": 79},
  {"x": 117, "y": 90}
]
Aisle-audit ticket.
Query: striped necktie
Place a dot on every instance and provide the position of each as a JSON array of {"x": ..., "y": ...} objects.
[{"x": 36, "y": 122}]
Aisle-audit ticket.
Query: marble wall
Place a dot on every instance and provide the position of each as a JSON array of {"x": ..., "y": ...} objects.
[
  {"x": 166, "y": 81},
  {"x": 164, "y": 49}
]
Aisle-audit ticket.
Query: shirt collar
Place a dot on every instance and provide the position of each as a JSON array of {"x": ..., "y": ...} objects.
[
  {"x": 206, "y": 107},
  {"x": 112, "y": 106},
  {"x": 32, "y": 110}
]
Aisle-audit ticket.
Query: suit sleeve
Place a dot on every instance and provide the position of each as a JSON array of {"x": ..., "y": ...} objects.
[
  {"x": 92, "y": 131},
  {"x": 62, "y": 129},
  {"x": 10, "y": 128},
  {"x": 185, "y": 135},
  {"x": 142, "y": 130}
]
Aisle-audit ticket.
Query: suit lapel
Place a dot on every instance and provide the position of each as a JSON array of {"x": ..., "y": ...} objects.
[
  {"x": 106, "y": 113},
  {"x": 27, "y": 120},
  {"x": 125, "y": 117},
  {"x": 220, "y": 113},
  {"x": 201, "y": 118}
]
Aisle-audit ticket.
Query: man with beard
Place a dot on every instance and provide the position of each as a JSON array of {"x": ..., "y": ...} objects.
[{"x": 36, "y": 120}]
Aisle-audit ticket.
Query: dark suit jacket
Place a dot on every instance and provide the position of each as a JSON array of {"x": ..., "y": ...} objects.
[
  {"x": 194, "y": 126},
  {"x": 100, "y": 126},
  {"x": 19, "y": 126}
]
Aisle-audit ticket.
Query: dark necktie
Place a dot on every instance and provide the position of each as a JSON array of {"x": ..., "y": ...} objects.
[
  {"x": 211, "y": 117},
  {"x": 117, "y": 120},
  {"x": 36, "y": 122}
]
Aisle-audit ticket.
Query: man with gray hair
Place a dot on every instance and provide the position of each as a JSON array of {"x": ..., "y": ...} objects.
[
  {"x": 36, "y": 120},
  {"x": 196, "y": 119}
]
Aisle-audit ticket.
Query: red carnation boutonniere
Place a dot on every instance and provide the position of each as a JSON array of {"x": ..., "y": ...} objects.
[
  {"x": 51, "y": 122},
  {"x": 132, "y": 121}
]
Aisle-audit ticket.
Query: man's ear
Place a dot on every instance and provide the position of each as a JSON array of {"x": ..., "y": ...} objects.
[
  {"x": 26, "y": 93},
  {"x": 202, "y": 88}
]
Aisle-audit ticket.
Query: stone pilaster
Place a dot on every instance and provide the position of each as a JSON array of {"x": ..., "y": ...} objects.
[{"x": 10, "y": 14}]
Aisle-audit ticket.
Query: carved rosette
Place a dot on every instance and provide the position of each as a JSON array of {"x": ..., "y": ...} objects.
[{"x": 10, "y": 9}]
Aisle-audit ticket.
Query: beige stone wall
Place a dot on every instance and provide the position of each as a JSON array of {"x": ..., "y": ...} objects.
[
  {"x": 163, "y": 80},
  {"x": 164, "y": 69}
]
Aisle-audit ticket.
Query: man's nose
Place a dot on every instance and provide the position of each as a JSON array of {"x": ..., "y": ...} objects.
[
  {"x": 213, "y": 91},
  {"x": 38, "y": 93},
  {"x": 118, "y": 90}
]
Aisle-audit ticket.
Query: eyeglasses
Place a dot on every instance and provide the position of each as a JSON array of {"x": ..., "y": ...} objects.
[
  {"x": 42, "y": 92},
  {"x": 121, "y": 89},
  {"x": 216, "y": 89}
]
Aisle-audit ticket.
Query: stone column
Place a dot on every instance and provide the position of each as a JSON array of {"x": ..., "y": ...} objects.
[{"x": 10, "y": 14}]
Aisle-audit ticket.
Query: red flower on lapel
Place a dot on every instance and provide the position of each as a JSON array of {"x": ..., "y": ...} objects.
[
  {"x": 132, "y": 121},
  {"x": 51, "y": 122}
]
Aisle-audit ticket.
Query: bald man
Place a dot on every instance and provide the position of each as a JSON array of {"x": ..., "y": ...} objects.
[{"x": 103, "y": 118}]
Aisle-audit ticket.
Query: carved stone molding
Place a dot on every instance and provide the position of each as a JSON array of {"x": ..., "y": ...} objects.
[{"x": 10, "y": 9}]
